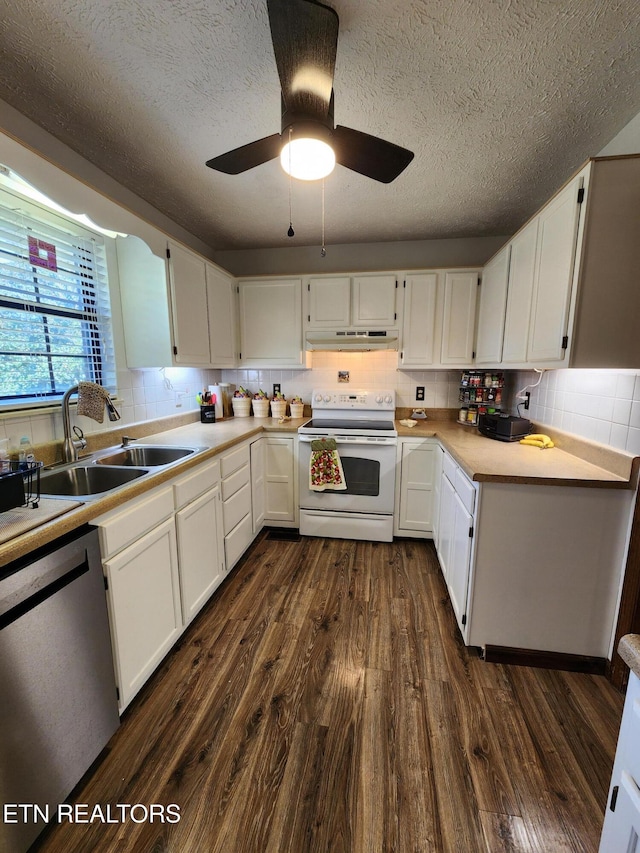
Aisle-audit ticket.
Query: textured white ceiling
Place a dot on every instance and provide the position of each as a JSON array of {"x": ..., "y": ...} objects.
[{"x": 499, "y": 99}]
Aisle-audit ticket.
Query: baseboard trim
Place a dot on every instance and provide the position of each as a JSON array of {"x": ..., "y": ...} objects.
[{"x": 545, "y": 660}]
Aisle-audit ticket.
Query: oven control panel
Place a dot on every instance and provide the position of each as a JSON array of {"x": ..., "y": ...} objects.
[{"x": 380, "y": 400}]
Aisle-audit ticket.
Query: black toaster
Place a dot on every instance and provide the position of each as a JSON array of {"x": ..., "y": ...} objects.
[{"x": 503, "y": 427}]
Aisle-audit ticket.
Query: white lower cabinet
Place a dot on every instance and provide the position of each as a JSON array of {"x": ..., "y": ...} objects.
[
  {"x": 257, "y": 485},
  {"x": 415, "y": 487},
  {"x": 200, "y": 553},
  {"x": 162, "y": 556},
  {"x": 143, "y": 596},
  {"x": 235, "y": 469},
  {"x": 621, "y": 829},
  {"x": 280, "y": 480},
  {"x": 455, "y": 535}
]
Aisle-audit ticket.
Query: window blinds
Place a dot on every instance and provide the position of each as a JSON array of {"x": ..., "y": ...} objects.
[{"x": 55, "y": 319}]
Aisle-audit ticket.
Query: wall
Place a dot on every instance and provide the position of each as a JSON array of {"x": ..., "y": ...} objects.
[
  {"x": 625, "y": 142},
  {"x": 368, "y": 370},
  {"x": 602, "y": 405},
  {"x": 365, "y": 257}
]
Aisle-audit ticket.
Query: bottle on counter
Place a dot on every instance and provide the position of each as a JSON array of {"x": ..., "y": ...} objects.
[
  {"x": 26, "y": 456},
  {"x": 463, "y": 415}
]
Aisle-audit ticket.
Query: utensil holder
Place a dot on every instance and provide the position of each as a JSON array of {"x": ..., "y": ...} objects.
[{"x": 207, "y": 414}]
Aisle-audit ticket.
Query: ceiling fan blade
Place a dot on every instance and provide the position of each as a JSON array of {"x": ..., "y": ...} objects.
[
  {"x": 368, "y": 155},
  {"x": 247, "y": 156},
  {"x": 305, "y": 40}
]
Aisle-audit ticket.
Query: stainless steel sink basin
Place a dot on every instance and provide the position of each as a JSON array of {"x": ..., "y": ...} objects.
[
  {"x": 86, "y": 481},
  {"x": 149, "y": 455}
]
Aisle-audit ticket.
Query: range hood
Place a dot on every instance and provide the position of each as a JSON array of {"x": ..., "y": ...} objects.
[{"x": 351, "y": 340}]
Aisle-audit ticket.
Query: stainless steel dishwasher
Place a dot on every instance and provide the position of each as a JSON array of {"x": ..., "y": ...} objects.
[{"x": 58, "y": 705}]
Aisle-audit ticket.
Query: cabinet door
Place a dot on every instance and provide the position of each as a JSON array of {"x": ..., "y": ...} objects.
[
  {"x": 491, "y": 312},
  {"x": 460, "y": 560},
  {"x": 521, "y": 270},
  {"x": 257, "y": 484},
  {"x": 188, "y": 282},
  {"x": 416, "y": 487},
  {"x": 200, "y": 551},
  {"x": 419, "y": 320},
  {"x": 622, "y": 827},
  {"x": 221, "y": 296},
  {"x": 144, "y": 606},
  {"x": 553, "y": 277},
  {"x": 329, "y": 305},
  {"x": 446, "y": 524},
  {"x": 374, "y": 301},
  {"x": 279, "y": 479},
  {"x": 270, "y": 323},
  {"x": 458, "y": 322}
]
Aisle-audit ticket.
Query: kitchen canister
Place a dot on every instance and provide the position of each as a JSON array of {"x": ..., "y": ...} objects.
[
  {"x": 278, "y": 408},
  {"x": 260, "y": 407},
  {"x": 241, "y": 406},
  {"x": 297, "y": 410}
]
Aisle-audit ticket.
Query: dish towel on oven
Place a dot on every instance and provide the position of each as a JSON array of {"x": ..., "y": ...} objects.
[{"x": 325, "y": 467}]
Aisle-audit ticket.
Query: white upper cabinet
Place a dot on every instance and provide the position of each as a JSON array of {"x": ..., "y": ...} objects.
[
  {"x": 221, "y": 305},
  {"x": 571, "y": 296},
  {"x": 329, "y": 303},
  {"x": 188, "y": 287},
  {"x": 361, "y": 301},
  {"x": 521, "y": 269},
  {"x": 374, "y": 301},
  {"x": 438, "y": 325},
  {"x": 493, "y": 300},
  {"x": 459, "y": 317},
  {"x": 553, "y": 276},
  {"x": 270, "y": 314},
  {"x": 419, "y": 320}
]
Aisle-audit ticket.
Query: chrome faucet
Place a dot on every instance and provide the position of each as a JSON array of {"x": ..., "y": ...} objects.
[{"x": 70, "y": 446}]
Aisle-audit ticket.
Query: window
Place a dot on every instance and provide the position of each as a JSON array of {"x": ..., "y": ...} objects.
[{"x": 55, "y": 323}]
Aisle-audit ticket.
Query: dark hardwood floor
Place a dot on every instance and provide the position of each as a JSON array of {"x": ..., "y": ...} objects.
[{"x": 324, "y": 701}]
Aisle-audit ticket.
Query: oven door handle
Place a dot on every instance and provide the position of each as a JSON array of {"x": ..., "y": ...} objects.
[{"x": 351, "y": 442}]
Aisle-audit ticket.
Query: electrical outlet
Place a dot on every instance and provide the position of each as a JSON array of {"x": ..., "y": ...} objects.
[
  {"x": 420, "y": 392},
  {"x": 276, "y": 388},
  {"x": 527, "y": 395}
]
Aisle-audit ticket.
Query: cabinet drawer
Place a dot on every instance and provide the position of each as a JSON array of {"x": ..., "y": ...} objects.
[
  {"x": 449, "y": 468},
  {"x": 236, "y": 507},
  {"x": 236, "y": 542},
  {"x": 465, "y": 490},
  {"x": 124, "y": 526},
  {"x": 230, "y": 485},
  {"x": 196, "y": 483},
  {"x": 233, "y": 460}
]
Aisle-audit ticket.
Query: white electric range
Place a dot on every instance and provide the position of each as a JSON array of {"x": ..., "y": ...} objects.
[{"x": 361, "y": 422}]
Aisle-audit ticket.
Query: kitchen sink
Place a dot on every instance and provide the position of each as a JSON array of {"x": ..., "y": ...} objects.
[
  {"x": 149, "y": 455},
  {"x": 86, "y": 481}
]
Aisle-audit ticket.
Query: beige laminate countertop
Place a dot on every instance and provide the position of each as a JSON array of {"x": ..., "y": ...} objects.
[
  {"x": 216, "y": 438},
  {"x": 629, "y": 651},
  {"x": 581, "y": 464}
]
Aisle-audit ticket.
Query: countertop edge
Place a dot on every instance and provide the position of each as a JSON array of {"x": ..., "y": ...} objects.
[{"x": 629, "y": 651}]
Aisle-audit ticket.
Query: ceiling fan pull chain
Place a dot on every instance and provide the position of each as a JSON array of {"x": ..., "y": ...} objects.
[
  {"x": 290, "y": 232},
  {"x": 323, "y": 251}
]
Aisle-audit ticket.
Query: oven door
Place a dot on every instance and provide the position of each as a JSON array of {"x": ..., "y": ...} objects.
[{"x": 369, "y": 471}]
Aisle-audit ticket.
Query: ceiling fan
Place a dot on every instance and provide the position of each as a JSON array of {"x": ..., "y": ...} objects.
[{"x": 305, "y": 40}]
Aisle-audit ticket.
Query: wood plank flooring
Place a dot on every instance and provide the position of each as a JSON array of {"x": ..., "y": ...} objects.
[{"x": 324, "y": 701}]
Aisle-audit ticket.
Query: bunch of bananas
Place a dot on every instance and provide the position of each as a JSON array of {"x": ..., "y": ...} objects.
[{"x": 538, "y": 440}]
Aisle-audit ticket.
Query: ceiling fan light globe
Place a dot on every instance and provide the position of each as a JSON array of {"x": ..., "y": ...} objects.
[{"x": 307, "y": 159}]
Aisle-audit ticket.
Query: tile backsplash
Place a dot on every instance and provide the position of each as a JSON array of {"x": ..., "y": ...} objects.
[
  {"x": 602, "y": 405},
  {"x": 367, "y": 370}
]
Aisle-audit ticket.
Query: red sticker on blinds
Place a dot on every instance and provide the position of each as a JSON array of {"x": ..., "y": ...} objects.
[{"x": 42, "y": 254}]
